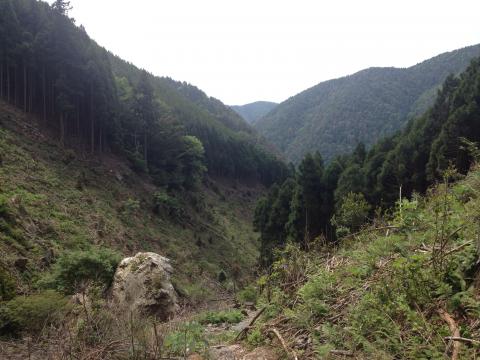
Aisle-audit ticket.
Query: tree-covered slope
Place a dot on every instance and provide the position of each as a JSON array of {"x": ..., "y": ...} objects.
[
  {"x": 336, "y": 199},
  {"x": 99, "y": 103},
  {"x": 55, "y": 202},
  {"x": 254, "y": 111},
  {"x": 333, "y": 116}
]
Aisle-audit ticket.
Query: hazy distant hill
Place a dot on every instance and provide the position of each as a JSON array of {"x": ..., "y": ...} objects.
[
  {"x": 335, "y": 115},
  {"x": 254, "y": 111}
]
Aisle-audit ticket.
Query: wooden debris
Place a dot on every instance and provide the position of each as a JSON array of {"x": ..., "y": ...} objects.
[
  {"x": 284, "y": 345},
  {"x": 244, "y": 331},
  {"x": 342, "y": 353},
  {"x": 454, "y": 330}
]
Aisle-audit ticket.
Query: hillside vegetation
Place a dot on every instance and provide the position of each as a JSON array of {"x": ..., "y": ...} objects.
[
  {"x": 96, "y": 103},
  {"x": 334, "y": 116},
  {"x": 336, "y": 199},
  {"x": 254, "y": 111},
  {"x": 54, "y": 202},
  {"x": 397, "y": 289}
]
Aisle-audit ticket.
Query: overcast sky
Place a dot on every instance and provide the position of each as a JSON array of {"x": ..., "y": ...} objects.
[{"x": 248, "y": 50}]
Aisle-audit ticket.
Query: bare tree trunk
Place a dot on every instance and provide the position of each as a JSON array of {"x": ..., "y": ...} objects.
[
  {"x": 92, "y": 129},
  {"x": 44, "y": 85},
  {"x": 145, "y": 146},
  {"x": 24, "y": 87},
  {"x": 15, "y": 87},
  {"x": 62, "y": 130},
  {"x": 1, "y": 80},
  {"x": 52, "y": 100},
  {"x": 8, "y": 82},
  {"x": 100, "y": 145},
  {"x": 77, "y": 118}
]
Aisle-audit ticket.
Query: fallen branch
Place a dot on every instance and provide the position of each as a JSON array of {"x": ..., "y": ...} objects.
[
  {"x": 244, "y": 331},
  {"x": 454, "y": 330},
  {"x": 390, "y": 227},
  {"x": 458, "y": 248},
  {"x": 462, "y": 339},
  {"x": 342, "y": 353},
  {"x": 284, "y": 345}
]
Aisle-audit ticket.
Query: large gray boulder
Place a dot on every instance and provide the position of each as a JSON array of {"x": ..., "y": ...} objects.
[{"x": 142, "y": 285}]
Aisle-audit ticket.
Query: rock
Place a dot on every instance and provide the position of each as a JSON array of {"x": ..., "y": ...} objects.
[
  {"x": 195, "y": 357},
  {"x": 142, "y": 285},
  {"x": 21, "y": 264}
]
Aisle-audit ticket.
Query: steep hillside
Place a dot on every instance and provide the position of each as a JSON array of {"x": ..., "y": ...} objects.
[
  {"x": 54, "y": 201},
  {"x": 399, "y": 289},
  {"x": 254, "y": 111},
  {"x": 97, "y": 103},
  {"x": 333, "y": 116}
]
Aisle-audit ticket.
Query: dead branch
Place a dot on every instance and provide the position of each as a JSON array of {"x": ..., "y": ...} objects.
[
  {"x": 244, "y": 331},
  {"x": 342, "y": 353},
  {"x": 454, "y": 330},
  {"x": 284, "y": 345},
  {"x": 390, "y": 227},
  {"x": 462, "y": 339},
  {"x": 458, "y": 248}
]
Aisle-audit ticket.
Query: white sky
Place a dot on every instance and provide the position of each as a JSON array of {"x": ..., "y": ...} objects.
[{"x": 248, "y": 50}]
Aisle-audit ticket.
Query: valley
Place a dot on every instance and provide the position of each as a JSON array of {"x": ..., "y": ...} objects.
[{"x": 141, "y": 218}]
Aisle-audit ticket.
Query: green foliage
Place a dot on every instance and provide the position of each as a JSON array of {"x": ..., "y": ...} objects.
[
  {"x": 378, "y": 295},
  {"x": 352, "y": 213},
  {"x": 7, "y": 285},
  {"x": 395, "y": 168},
  {"x": 74, "y": 270},
  {"x": 130, "y": 207},
  {"x": 34, "y": 312},
  {"x": 255, "y": 337},
  {"x": 248, "y": 294},
  {"x": 364, "y": 107},
  {"x": 88, "y": 95},
  {"x": 221, "y": 317},
  {"x": 189, "y": 336}
]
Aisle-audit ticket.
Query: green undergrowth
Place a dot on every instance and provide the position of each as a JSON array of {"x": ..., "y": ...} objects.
[
  {"x": 221, "y": 317},
  {"x": 379, "y": 295},
  {"x": 55, "y": 202}
]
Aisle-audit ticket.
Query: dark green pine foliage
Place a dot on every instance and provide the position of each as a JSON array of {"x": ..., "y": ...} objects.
[
  {"x": 407, "y": 162},
  {"x": 333, "y": 116},
  {"x": 97, "y": 103}
]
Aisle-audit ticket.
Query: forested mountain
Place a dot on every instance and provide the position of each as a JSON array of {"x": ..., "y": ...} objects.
[
  {"x": 333, "y": 116},
  {"x": 254, "y": 111},
  {"x": 336, "y": 199},
  {"x": 98, "y": 103}
]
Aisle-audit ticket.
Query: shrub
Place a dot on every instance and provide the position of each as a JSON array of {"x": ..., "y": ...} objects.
[
  {"x": 189, "y": 336},
  {"x": 78, "y": 268},
  {"x": 248, "y": 294},
  {"x": 7, "y": 286},
  {"x": 352, "y": 212},
  {"x": 34, "y": 312},
  {"x": 221, "y": 317},
  {"x": 163, "y": 200},
  {"x": 130, "y": 207}
]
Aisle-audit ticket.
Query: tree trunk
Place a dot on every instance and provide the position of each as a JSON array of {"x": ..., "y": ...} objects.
[
  {"x": 100, "y": 145},
  {"x": 44, "y": 80},
  {"x": 145, "y": 147},
  {"x": 77, "y": 118},
  {"x": 62, "y": 130},
  {"x": 8, "y": 82},
  {"x": 92, "y": 128},
  {"x": 52, "y": 100},
  {"x": 15, "y": 87},
  {"x": 1, "y": 80},
  {"x": 24, "y": 87}
]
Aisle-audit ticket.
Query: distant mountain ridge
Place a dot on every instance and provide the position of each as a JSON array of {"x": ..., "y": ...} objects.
[
  {"x": 254, "y": 111},
  {"x": 335, "y": 115}
]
